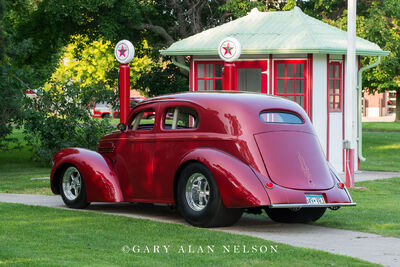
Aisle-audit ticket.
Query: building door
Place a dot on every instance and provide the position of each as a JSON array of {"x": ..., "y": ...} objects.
[
  {"x": 290, "y": 81},
  {"x": 252, "y": 76}
]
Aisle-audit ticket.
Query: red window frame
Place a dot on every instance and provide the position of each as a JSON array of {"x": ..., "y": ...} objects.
[
  {"x": 205, "y": 78},
  {"x": 336, "y": 79},
  {"x": 295, "y": 94},
  {"x": 253, "y": 64}
]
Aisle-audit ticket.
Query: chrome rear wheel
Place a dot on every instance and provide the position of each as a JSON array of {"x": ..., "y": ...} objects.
[
  {"x": 199, "y": 201},
  {"x": 197, "y": 191}
]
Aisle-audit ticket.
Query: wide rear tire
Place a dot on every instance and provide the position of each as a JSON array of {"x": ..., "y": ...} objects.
[
  {"x": 199, "y": 201},
  {"x": 301, "y": 215}
]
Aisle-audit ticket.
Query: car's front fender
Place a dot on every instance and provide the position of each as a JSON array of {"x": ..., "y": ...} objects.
[
  {"x": 101, "y": 180},
  {"x": 238, "y": 185}
]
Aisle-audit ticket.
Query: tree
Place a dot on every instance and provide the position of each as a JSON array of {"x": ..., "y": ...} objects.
[
  {"x": 383, "y": 27},
  {"x": 378, "y": 22},
  {"x": 164, "y": 22},
  {"x": 12, "y": 86}
]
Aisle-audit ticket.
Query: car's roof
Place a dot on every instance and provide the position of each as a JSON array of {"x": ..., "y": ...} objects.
[{"x": 222, "y": 99}]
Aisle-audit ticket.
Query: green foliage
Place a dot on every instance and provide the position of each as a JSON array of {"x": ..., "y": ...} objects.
[
  {"x": 57, "y": 119},
  {"x": 163, "y": 79},
  {"x": 384, "y": 29},
  {"x": 11, "y": 100},
  {"x": 378, "y": 22},
  {"x": 87, "y": 63},
  {"x": 290, "y": 4},
  {"x": 240, "y": 8},
  {"x": 91, "y": 63}
]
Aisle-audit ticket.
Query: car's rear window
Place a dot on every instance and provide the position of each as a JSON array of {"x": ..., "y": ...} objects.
[{"x": 276, "y": 116}]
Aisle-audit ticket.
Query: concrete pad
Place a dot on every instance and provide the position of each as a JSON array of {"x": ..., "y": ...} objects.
[
  {"x": 371, "y": 175},
  {"x": 369, "y": 247},
  {"x": 389, "y": 118}
]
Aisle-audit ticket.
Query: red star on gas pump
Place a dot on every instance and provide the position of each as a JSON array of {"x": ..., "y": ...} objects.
[
  {"x": 122, "y": 51},
  {"x": 228, "y": 49}
]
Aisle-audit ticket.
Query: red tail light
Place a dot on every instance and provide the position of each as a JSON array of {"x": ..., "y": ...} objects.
[
  {"x": 340, "y": 185},
  {"x": 269, "y": 185}
]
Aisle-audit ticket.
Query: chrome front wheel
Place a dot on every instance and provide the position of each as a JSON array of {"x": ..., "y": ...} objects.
[
  {"x": 72, "y": 183},
  {"x": 72, "y": 187}
]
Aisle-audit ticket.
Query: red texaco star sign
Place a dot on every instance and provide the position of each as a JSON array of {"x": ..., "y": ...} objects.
[
  {"x": 229, "y": 49},
  {"x": 124, "y": 51}
]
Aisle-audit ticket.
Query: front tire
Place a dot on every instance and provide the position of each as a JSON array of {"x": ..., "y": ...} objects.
[
  {"x": 72, "y": 188},
  {"x": 199, "y": 201},
  {"x": 299, "y": 215}
]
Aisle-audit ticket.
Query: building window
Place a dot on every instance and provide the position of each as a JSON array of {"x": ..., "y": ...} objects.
[
  {"x": 335, "y": 82},
  {"x": 290, "y": 80},
  {"x": 208, "y": 76}
]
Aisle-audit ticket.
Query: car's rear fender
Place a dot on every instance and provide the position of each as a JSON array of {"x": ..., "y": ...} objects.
[
  {"x": 101, "y": 180},
  {"x": 238, "y": 185}
]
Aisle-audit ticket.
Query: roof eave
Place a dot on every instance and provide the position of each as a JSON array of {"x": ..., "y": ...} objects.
[{"x": 214, "y": 52}]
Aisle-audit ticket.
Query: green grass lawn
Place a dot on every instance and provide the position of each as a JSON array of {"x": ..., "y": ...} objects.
[
  {"x": 382, "y": 151},
  {"x": 377, "y": 210},
  {"x": 381, "y": 126},
  {"x": 39, "y": 236},
  {"x": 17, "y": 169}
]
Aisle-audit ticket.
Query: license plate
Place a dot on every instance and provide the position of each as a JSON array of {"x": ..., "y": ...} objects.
[{"x": 314, "y": 199}]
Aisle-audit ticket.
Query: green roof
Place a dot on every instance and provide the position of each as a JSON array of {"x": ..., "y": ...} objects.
[{"x": 280, "y": 32}]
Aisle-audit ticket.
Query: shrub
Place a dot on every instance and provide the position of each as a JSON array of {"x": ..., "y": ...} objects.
[
  {"x": 11, "y": 102},
  {"x": 60, "y": 117}
]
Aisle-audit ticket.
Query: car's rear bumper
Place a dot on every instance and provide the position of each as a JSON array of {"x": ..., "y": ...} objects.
[{"x": 326, "y": 205}]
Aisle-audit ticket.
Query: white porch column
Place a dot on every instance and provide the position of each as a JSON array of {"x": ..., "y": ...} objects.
[{"x": 350, "y": 91}]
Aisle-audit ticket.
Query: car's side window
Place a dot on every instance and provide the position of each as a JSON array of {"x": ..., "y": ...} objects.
[
  {"x": 144, "y": 120},
  {"x": 180, "y": 118}
]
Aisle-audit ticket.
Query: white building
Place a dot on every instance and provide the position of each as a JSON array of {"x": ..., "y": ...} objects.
[{"x": 287, "y": 54}]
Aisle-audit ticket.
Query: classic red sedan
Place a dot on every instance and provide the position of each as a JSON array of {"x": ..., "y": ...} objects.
[{"x": 213, "y": 156}]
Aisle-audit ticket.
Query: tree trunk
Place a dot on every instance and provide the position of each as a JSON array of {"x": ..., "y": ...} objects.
[{"x": 397, "y": 105}]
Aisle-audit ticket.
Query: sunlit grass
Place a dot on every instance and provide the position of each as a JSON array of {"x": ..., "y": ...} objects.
[
  {"x": 52, "y": 237},
  {"x": 381, "y": 126},
  {"x": 377, "y": 210},
  {"x": 17, "y": 169},
  {"x": 386, "y": 147},
  {"x": 382, "y": 151}
]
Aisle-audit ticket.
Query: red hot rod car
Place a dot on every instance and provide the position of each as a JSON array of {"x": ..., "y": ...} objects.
[{"x": 212, "y": 155}]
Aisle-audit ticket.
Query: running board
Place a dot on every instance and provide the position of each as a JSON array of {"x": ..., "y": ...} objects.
[{"x": 327, "y": 205}]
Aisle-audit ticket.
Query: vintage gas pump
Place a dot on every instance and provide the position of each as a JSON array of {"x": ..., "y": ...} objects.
[
  {"x": 229, "y": 50},
  {"x": 124, "y": 53}
]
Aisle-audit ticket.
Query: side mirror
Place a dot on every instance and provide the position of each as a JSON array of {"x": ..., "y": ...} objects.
[{"x": 121, "y": 126}]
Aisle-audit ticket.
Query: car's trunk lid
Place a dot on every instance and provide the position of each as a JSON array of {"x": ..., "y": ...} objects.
[{"x": 294, "y": 160}]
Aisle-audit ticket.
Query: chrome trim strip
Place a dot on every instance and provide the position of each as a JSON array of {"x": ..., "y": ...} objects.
[{"x": 276, "y": 206}]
